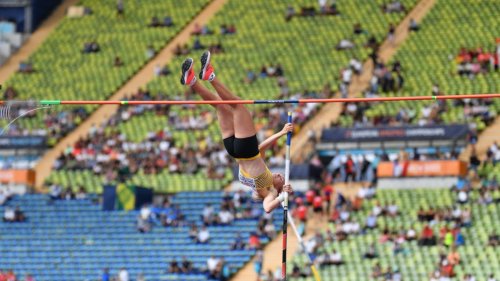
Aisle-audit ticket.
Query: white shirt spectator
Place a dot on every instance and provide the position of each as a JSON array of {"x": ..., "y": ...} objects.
[
  {"x": 145, "y": 212},
  {"x": 212, "y": 263},
  {"x": 9, "y": 214},
  {"x": 346, "y": 74},
  {"x": 462, "y": 196},
  {"x": 344, "y": 215},
  {"x": 393, "y": 209},
  {"x": 362, "y": 192},
  {"x": 55, "y": 191},
  {"x": 492, "y": 278},
  {"x": 335, "y": 257},
  {"x": 411, "y": 233},
  {"x": 377, "y": 210},
  {"x": 203, "y": 235},
  {"x": 207, "y": 212},
  {"x": 225, "y": 217},
  {"x": 123, "y": 275}
]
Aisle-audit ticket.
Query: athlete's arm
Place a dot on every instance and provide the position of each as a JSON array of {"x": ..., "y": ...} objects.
[
  {"x": 273, "y": 200},
  {"x": 270, "y": 140}
]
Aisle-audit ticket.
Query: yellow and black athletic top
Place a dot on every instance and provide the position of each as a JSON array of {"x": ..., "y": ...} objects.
[{"x": 262, "y": 181}]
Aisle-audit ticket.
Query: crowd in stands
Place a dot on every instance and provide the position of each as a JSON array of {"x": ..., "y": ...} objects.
[
  {"x": 57, "y": 192},
  {"x": 91, "y": 47},
  {"x": 109, "y": 153},
  {"x": 122, "y": 275},
  {"x": 472, "y": 62},
  {"x": 324, "y": 8},
  {"x": 166, "y": 214},
  {"x": 13, "y": 215},
  {"x": 9, "y": 275},
  {"x": 167, "y": 22}
]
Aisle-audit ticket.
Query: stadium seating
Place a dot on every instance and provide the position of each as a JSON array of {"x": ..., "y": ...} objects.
[
  {"x": 428, "y": 57},
  {"x": 75, "y": 240},
  {"x": 255, "y": 43},
  {"x": 62, "y": 71},
  {"x": 416, "y": 262}
]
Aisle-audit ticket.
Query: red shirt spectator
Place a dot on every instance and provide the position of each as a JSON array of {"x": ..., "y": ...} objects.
[
  {"x": 10, "y": 276},
  {"x": 254, "y": 241},
  {"x": 327, "y": 191},
  {"x": 299, "y": 201},
  {"x": 427, "y": 232},
  {"x": 447, "y": 269},
  {"x": 335, "y": 215},
  {"x": 310, "y": 196},
  {"x": 3, "y": 277},
  {"x": 301, "y": 212},
  {"x": 317, "y": 202}
]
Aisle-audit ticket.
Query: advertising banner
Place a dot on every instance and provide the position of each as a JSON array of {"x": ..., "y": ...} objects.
[
  {"x": 18, "y": 142},
  {"x": 26, "y": 177},
  {"x": 449, "y": 132},
  {"x": 437, "y": 168}
]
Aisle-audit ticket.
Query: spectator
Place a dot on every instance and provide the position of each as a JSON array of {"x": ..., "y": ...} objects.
[
  {"x": 335, "y": 258},
  {"x": 168, "y": 21},
  {"x": 150, "y": 52},
  {"x": 174, "y": 267},
  {"x": 197, "y": 44},
  {"x": 493, "y": 240},
  {"x": 225, "y": 217},
  {"x": 203, "y": 236},
  {"x": 207, "y": 214},
  {"x": 492, "y": 277},
  {"x": 357, "y": 29},
  {"x": 376, "y": 270},
  {"x": 258, "y": 262},
  {"x": 143, "y": 225},
  {"x": 193, "y": 232},
  {"x": 427, "y": 237},
  {"x": 7, "y": 276},
  {"x": 390, "y": 33},
  {"x": 290, "y": 13},
  {"x": 81, "y": 194},
  {"x": 9, "y": 215},
  {"x": 392, "y": 209},
  {"x": 155, "y": 22},
  {"x": 91, "y": 47},
  {"x": 345, "y": 44},
  {"x": 371, "y": 221},
  {"x": 222, "y": 270},
  {"x": 238, "y": 243},
  {"x": 19, "y": 215},
  {"x": 105, "y": 275},
  {"x": 140, "y": 277},
  {"x": 393, "y": 7},
  {"x": 318, "y": 204},
  {"x": 413, "y": 25},
  {"x": 212, "y": 266},
  {"x": 120, "y": 9},
  {"x": 186, "y": 266},
  {"x": 118, "y": 62},
  {"x": 29, "y": 277},
  {"x": 371, "y": 253},
  {"x": 253, "y": 241},
  {"x": 123, "y": 275},
  {"x": 250, "y": 77},
  {"x": 411, "y": 234},
  {"x": 55, "y": 191}
]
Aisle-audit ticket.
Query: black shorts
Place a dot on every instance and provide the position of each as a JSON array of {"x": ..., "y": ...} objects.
[{"x": 242, "y": 148}]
